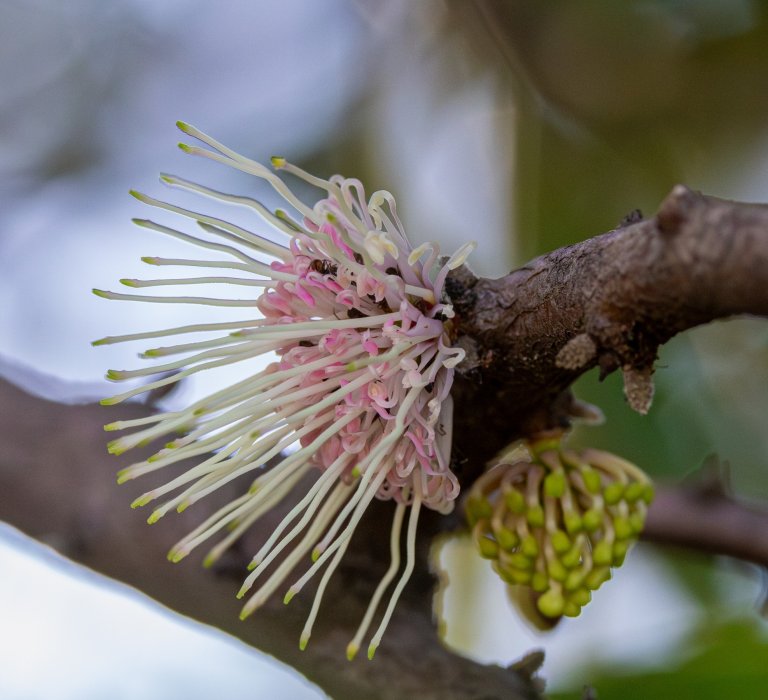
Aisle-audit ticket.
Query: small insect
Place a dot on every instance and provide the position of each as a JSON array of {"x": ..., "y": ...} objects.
[{"x": 324, "y": 267}]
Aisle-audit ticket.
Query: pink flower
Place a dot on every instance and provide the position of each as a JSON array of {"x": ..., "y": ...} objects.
[{"x": 361, "y": 386}]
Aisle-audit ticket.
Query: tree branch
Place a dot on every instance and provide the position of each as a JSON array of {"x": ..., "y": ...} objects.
[
  {"x": 609, "y": 301},
  {"x": 709, "y": 521}
]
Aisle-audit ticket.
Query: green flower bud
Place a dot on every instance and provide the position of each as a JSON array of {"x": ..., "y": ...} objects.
[
  {"x": 520, "y": 577},
  {"x": 539, "y": 582},
  {"x": 620, "y": 550},
  {"x": 622, "y": 528},
  {"x": 613, "y": 493},
  {"x": 551, "y": 604},
  {"x": 518, "y": 560},
  {"x": 572, "y": 557},
  {"x": 580, "y": 597},
  {"x": 535, "y": 516},
  {"x": 572, "y": 521},
  {"x": 560, "y": 541},
  {"x": 634, "y": 491},
  {"x": 515, "y": 501},
  {"x": 574, "y": 580},
  {"x": 488, "y": 548},
  {"x": 529, "y": 546},
  {"x": 597, "y": 577},
  {"x": 557, "y": 572},
  {"x": 592, "y": 519},
  {"x": 648, "y": 493},
  {"x": 554, "y": 485},
  {"x": 591, "y": 480},
  {"x": 570, "y": 609},
  {"x": 507, "y": 538},
  {"x": 603, "y": 553}
]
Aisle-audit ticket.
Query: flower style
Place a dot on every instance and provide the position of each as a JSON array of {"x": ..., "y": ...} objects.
[{"x": 360, "y": 389}]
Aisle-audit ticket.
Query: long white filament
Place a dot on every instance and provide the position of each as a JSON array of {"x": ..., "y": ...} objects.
[{"x": 365, "y": 365}]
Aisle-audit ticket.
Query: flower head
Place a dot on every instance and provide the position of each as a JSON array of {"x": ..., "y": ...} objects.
[
  {"x": 555, "y": 524},
  {"x": 360, "y": 387}
]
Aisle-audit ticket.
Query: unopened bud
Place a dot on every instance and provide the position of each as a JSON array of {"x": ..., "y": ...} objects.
[
  {"x": 529, "y": 546},
  {"x": 551, "y": 604},
  {"x": 603, "y": 553},
  {"x": 515, "y": 501},
  {"x": 488, "y": 548},
  {"x": 554, "y": 485},
  {"x": 592, "y": 519},
  {"x": 506, "y": 538},
  {"x": 560, "y": 541},
  {"x": 556, "y": 570},
  {"x": 613, "y": 493},
  {"x": 591, "y": 480},
  {"x": 535, "y": 516}
]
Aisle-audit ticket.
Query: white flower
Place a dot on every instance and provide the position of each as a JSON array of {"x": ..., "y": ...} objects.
[{"x": 364, "y": 372}]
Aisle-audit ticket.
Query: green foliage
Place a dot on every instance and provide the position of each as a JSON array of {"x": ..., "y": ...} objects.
[{"x": 727, "y": 661}]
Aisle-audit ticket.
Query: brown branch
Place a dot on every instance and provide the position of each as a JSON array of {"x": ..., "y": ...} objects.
[
  {"x": 708, "y": 521},
  {"x": 609, "y": 301}
]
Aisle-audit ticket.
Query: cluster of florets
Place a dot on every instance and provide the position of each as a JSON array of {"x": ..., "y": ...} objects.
[
  {"x": 359, "y": 390},
  {"x": 556, "y": 523}
]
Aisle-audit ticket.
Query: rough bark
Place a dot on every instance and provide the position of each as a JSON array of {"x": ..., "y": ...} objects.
[{"x": 609, "y": 302}]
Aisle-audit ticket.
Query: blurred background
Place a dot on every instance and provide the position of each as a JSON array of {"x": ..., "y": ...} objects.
[{"x": 523, "y": 125}]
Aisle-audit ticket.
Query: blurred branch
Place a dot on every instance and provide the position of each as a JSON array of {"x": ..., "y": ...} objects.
[{"x": 708, "y": 520}]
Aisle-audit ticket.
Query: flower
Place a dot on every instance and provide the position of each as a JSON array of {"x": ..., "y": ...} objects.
[
  {"x": 554, "y": 525},
  {"x": 362, "y": 333}
]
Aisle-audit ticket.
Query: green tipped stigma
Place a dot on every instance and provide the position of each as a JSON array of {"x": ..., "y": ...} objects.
[{"x": 141, "y": 501}]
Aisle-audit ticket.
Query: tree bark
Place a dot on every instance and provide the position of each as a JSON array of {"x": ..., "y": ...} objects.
[{"x": 609, "y": 302}]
